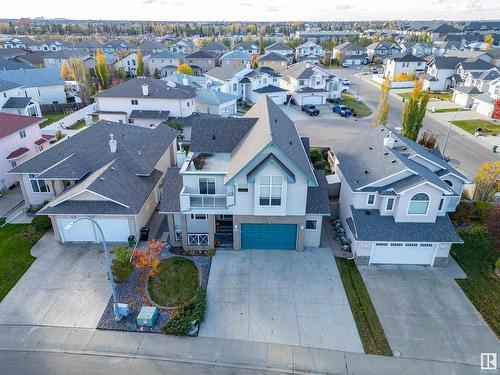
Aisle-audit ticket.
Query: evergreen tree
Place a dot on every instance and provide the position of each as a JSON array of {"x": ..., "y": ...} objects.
[
  {"x": 156, "y": 74},
  {"x": 261, "y": 45}
]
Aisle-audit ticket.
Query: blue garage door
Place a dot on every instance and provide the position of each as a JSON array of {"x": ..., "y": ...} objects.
[{"x": 268, "y": 236}]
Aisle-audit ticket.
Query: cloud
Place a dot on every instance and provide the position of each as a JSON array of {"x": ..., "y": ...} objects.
[
  {"x": 271, "y": 8},
  {"x": 244, "y": 4},
  {"x": 343, "y": 6}
]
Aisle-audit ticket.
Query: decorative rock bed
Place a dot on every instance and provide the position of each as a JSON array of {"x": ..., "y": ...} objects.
[{"x": 134, "y": 293}]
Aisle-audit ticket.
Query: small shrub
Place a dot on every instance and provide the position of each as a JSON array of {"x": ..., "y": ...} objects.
[
  {"x": 315, "y": 155},
  {"x": 211, "y": 252},
  {"x": 122, "y": 254},
  {"x": 121, "y": 270},
  {"x": 30, "y": 234},
  {"x": 320, "y": 165},
  {"x": 482, "y": 208},
  {"x": 41, "y": 223},
  {"x": 193, "y": 310}
]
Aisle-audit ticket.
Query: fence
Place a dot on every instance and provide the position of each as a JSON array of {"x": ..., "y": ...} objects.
[
  {"x": 394, "y": 84},
  {"x": 48, "y": 109},
  {"x": 70, "y": 119}
]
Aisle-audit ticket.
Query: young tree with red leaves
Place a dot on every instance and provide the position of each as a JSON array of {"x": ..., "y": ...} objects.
[{"x": 150, "y": 258}]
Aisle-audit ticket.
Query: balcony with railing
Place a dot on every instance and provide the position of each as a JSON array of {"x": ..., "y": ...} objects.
[{"x": 208, "y": 201}]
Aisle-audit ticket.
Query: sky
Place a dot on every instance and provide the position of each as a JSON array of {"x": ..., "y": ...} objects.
[{"x": 255, "y": 10}]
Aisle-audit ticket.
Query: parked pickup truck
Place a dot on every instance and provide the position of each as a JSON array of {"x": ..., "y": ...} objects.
[
  {"x": 342, "y": 110},
  {"x": 310, "y": 109}
]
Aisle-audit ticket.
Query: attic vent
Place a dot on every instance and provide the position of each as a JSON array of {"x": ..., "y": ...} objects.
[
  {"x": 367, "y": 213},
  {"x": 213, "y": 137},
  {"x": 102, "y": 178},
  {"x": 357, "y": 181},
  {"x": 371, "y": 148},
  {"x": 366, "y": 172},
  {"x": 386, "y": 153},
  {"x": 290, "y": 143},
  {"x": 112, "y": 168},
  {"x": 393, "y": 161},
  {"x": 139, "y": 153},
  {"x": 275, "y": 120}
]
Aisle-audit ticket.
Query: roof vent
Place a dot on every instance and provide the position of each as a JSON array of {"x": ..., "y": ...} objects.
[
  {"x": 389, "y": 140},
  {"x": 145, "y": 90},
  {"x": 102, "y": 178},
  {"x": 112, "y": 168},
  {"x": 371, "y": 148},
  {"x": 290, "y": 143},
  {"x": 386, "y": 153},
  {"x": 213, "y": 137},
  {"x": 139, "y": 152},
  {"x": 112, "y": 144},
  {"x": 393, "y": 161},
  {"x": 366, "y": 172}
]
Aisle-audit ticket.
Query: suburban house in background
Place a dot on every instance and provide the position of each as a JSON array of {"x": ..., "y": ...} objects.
[
  {"x": 216, "y": 102},
  {"x": 20, "y": 139},
  {"x": 394, "y": 200},
  {"x": 117, "y": 180},
  {"x": 236, "y": 58},
  {"x": 228, "y": 78},
  {"x": 273, "y": 61},
  {"x": 14, "y": 99},
  {"x": 382, "y": 49},
  {"x": 247, "y": 183},
  {"x": 310, "y": 84},
  {"x": 282, "y": 49},
  {"x": 251, "y": 48},
  {"x": 406, "y": 64},
  {"x": 201, "y": 61},
  {"x": 118, "y": 45},
  {"x": 350, "y": 53},
  {"x": 161, "y": 60},
  {"x": 439, "y": 73},
  {"x": 43, "y": 84},
  {"x": 309, "y": 51},
  {"x": 137, "y": 101},
  {"x": 57, "y": 58},
  {"x": 215, "y": 48},
  {"x": 128, "y": 63},
  {"x": 263, "y": 82}
]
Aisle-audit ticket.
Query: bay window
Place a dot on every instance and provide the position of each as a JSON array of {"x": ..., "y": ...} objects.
[{"x": 270, "y": 190}]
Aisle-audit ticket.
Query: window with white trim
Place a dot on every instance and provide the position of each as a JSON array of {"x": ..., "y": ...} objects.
[
  {"x": 441, "y": 204},
  {"x": 207, "y": 185},
  {"x": 198, "y": 217},
  {"x": 449, "y": 183},
  {"x": 242, "y": 187},
  {"x": 270, "y": 190},
  {"x": 311, "y": 224},
  {"x": 38, "y": 186},
  {"x": 419, "y": 204},
  {"x": 134, "y": 101},
  {"x": 371, "y": 199},
  {"x": 390, "y": 204},
  {"x": 22, "y": 133}
]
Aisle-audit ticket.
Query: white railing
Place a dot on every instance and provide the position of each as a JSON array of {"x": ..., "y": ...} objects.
[
  {"x": 178, "y": 235},
  {"x": 198, "y": 239},
  {"x": 208, "y": 200}
]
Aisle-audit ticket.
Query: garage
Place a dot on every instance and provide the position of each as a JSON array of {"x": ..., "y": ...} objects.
[
  {"x": 403, "y": 253},
  {"x": 269, "y": 236},
  {"x": 115, "y": 230},
  {"x": 277, "y": 98},
  {"x": 314, "y": 100}
]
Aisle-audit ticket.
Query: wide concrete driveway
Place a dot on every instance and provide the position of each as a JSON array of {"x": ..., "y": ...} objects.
[
  {"x": 282, "y": 297},
  {"x": 65, "y": 286},
  {"x": 426, "y": 315}
]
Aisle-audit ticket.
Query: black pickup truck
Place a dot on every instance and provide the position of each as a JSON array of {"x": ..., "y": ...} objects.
[{"x": 310, "y": 110}]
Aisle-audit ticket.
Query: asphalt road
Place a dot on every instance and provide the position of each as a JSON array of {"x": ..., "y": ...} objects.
[{"x": 327, "y": 130}]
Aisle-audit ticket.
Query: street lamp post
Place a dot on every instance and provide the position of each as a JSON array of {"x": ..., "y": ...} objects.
[
  {"x": 116, "y": 311},
  {"x": 449, "y": 131}
]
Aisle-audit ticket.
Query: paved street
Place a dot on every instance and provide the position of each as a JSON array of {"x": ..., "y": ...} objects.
[
  {"x": 277, "y": 296},
  {"x": 425, "y": 314},
  {"x": 327, "y": 130}
]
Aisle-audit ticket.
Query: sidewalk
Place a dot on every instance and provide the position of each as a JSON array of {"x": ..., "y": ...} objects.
[{"x": 222, "y": 352}]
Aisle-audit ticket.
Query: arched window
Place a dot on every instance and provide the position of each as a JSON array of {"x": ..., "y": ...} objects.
[
  {"x": 449, "y": 183},
  {"x": 419, "y": 204}
]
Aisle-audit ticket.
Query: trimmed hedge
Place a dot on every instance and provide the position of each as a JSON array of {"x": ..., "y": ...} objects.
[{"x": 193, "y": 310}]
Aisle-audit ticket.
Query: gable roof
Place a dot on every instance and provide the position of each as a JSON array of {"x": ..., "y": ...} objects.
[
  {"x": 166, "y": 55},
  {"x": 246, "y": 45},
  {"x": 10, "y": 123},
  {"x": 6, "y": 64},
  {"x": 201, "y": 54},
  {"x": 273, "y": 126},
  {"x": 317, "y": 196},
  {"x": 269, "y": 89},
  {"x": 446, "y": 62},
  {"x": 224, "y": 72},
  {"x": 272, "y": 56},
  {"x": 17, "y": 102},
  {"x": 408, "y": 57},
  {"x": 278, "y": 47},
  {"x": 33, "y": 77},
  {"x": 445, "y": 28},
  {"x": 236, "y": 55},
  {"x": 214, "y": 97},
  {"x": 215, "y": 46},
  {"x": 7, "y": 85},
  {"x": 300, "y": 70},
  {"x": 478, "y": 64},
  {"x": 157, "y": 89}
]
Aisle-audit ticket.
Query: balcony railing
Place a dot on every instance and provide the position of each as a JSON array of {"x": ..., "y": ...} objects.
[{"x": 193, "y": 200}]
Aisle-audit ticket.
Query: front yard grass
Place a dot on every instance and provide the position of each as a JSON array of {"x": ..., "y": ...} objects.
[
  {"x": 370, "y": 330},
  {"x": 434, "y": 96},
  {"x": 349, "y": 100},
  {"x": 51, "y": 118},
  {"x": 470, "y": 125},
  {"x": 15, "y": 257},
  {"x": 175, "y": 283},
  {"x": 77, "y": 125},
  {"x": 477, "y": 257}
]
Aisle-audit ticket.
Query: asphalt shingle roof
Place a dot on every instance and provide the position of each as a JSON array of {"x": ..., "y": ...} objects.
[
  {"x": 278, "y": 47},
  {"x": 158, "y": 89},
  {"x": 317, "y": 196},
  {"x": 149, "y": 114},
  {"x": 11, "y": 123},
  {"x": 17, "y": 102},
  {"x": 170, "y": 200},
  {"x": 272, "y": 56},
  {"x": 7, "y": 85},
  {"x": 6, "y": 64},
  {"x": 33, "y": 77},
  {"x": 369, "y": 225},
  {"x": 269, "y": 89}
]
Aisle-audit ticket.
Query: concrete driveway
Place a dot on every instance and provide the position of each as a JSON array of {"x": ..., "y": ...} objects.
[
  {"x": 65, "y": 286},
  {"x": 426, "y": 315},
  {"x": 282, "y": 297}
]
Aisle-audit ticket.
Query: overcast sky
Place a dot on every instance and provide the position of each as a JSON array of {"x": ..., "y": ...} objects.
[{"x": 254, "y": 10}]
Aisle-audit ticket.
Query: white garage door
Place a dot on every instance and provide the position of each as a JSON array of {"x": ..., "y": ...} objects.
[
  {"x": 278, "y": 99},
  {"x": 115, "y": 230},
  {"x": 81, "y": 231},
  {"x": 315, "y": 100},
  {"x": 402, "y": 253}
]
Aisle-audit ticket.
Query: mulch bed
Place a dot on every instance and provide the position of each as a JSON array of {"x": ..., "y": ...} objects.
[{"x": 131, "y": 292}]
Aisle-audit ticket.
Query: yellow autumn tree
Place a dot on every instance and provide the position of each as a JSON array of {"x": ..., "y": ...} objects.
[
  {"x": 101, "y": 69},
  {"x": 66, "y": 71},
  {"x": 487, "y": 181},
  {"x": 185, "y": 69},
  {"x": 488, "y": 39}
]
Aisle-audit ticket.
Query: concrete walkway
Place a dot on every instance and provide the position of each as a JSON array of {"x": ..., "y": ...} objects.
[{"x": 223, "y": 352}]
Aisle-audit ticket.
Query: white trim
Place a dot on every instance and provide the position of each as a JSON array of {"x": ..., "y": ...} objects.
[
  {"x": 386, "y": 177},
  {"x": 368, "y": 199},
  {"x": 88, "y": 191},
  {"x": 387, "y": 203},
  {"x": 426, "y": 209},
  {"x": 423, "y": 183}
]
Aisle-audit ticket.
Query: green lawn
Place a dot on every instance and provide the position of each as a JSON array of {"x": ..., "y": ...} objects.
[
  {"x": 470, "y": 126},
  {"x": 15, "y": 257},
  {"x": 53, "y": 117},
  {"x": 434, "y": 96},
  {"x": 370, "y": 330},
  {"x": 443, "y": 110},
  {"x": 349, "y": 100},
  {"x": 477, "y": 257},
  {"x": 77, "y": 125},
  {"x": 175, "y": 283}
]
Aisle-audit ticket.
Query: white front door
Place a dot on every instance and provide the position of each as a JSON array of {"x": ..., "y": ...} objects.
[{"x": 402, "y": 253}]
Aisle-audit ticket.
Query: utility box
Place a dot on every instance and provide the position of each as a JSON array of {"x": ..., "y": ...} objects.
[
  {"x": 147, "y": 316},
  {"x": 123, "y": 309}
]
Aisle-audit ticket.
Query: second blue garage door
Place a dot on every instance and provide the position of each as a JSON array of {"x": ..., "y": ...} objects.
[{"x": 269, "y": 236}]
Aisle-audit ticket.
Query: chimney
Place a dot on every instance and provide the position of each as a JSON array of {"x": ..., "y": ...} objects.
[
  {"x": 145, "y": 89},
  {"x": 112, "y": 144},
  {"x": 389, "y": 140}
]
